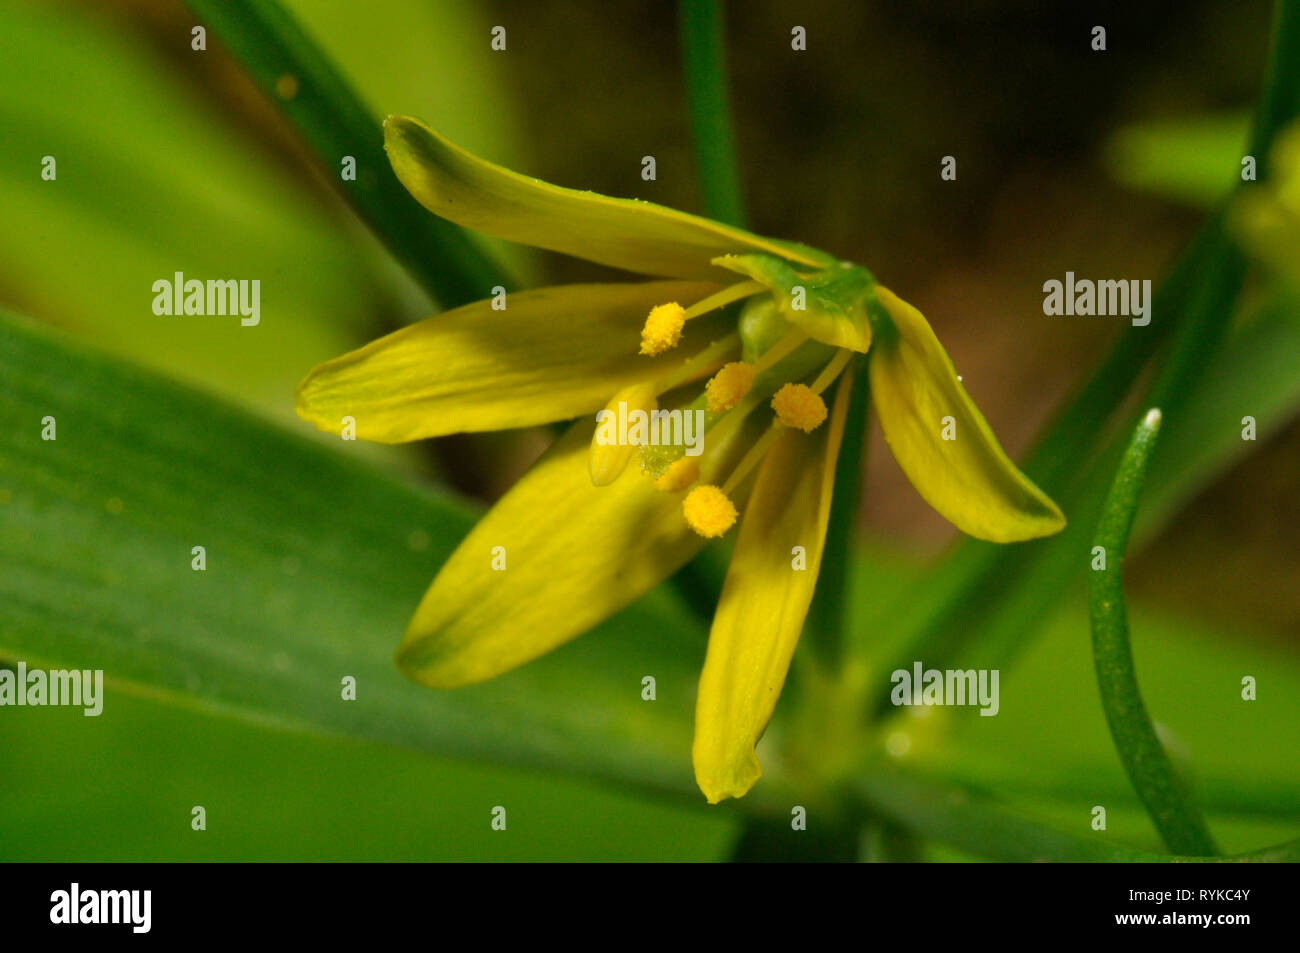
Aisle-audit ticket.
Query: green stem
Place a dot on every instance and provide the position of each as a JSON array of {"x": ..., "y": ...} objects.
[
  {"x": 1159, "y": 785},
  {"x": 333, "y": 121},
  {"x": 703, "y": 57},
  {"x": 773, "y": 840},
  {"x": 980, "y": 826}
]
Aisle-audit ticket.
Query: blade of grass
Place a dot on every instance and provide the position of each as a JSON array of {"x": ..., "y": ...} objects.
[
  {"x": 1195, "y": 301},
  {"x": 979, "y": 826},
  {"x": 704, "y": 68},
  {"x": 331, "y": 118},
  {"x": 1162, "y": 789}
]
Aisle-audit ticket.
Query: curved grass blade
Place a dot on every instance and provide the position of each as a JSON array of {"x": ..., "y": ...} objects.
[
  {"x": 1163, "y": 791},
  {"x": 975, "y": 824},
  {"x": 270, "y": 45}
]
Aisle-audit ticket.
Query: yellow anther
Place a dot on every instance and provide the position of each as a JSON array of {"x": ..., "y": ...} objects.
[
  {"x": 797, "y": 406},
  {"x": 663, "y": 328},
  {"x": 709, "y": 511},
  {"x": 681, "y": 474},
  {"x": 729, "y": 385}
]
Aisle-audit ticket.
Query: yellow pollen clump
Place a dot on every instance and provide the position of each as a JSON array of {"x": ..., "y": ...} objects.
[
  {"x": 729, "y": 385},
  {"x": 663, "y": 328},
  {"x": 709, "y": 511},
  {"x": 681, "y": 474},
  {"x": 797, "y": 406}
]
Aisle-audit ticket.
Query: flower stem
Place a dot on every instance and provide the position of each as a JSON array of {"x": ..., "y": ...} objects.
[
  {"x": 1162, "y": 789},
  {"x": 704, "y": 61},
  {"x": 828, "y": 616},
  {"x": 333, "y": 121}
]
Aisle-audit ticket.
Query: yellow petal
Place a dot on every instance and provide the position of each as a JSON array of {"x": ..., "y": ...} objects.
[
  {"x": 552, "y": 354},
  {"x": 763, "y": 605},
  {"x": 608, "y": 458},
  {"x": 920, "y": 402},
  {"x": 573, "y": 554},
  {"x": 625, "y": 233}
]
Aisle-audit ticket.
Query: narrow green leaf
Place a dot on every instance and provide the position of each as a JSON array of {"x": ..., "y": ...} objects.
[
  {"x": 293, "y": 797},
  {"x": 976, "y": 824},
  {"x": 1247, "y": 755},
  {"x": 313, "y": 564},
  {"x": 1255, "y": 376},
  {"x": 972, "y": 601},
  {"x": 271, "y": 45},
  {"x": 1163, "y": 790},
  {"x": 704, "y": 63}
]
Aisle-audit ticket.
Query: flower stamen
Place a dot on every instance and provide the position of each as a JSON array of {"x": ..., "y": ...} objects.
[
  {"x": 663, "y": 328},
  {"x": 797, "y": 406},
  {"x": 832, "y": 370},
  {"x": 753, "y": 456},
  {"x": 801, "y": 406},
  {"x": 709, "y": 511},
  {"x": 729, "y": 385},
  {"x": 680, "y": 474},
  {"x": 726, "y": 296},
  {"x": 705, "y": 362}
]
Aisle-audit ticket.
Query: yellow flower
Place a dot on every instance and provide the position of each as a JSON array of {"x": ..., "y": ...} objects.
[{"x": 583, "y": 533}]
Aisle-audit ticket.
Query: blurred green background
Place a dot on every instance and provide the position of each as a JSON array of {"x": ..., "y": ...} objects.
[{"x": 172, "y": 160}]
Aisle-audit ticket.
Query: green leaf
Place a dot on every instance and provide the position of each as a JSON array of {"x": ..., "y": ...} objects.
[
  {"x": 314, "y": 563},
  {"x": 1195, "y": 161},
  {"x": 1049, "y": 748},
  {"x": 332, "y": 119},
  {"x": 149, "y": 184},
  {"x": 275, "y": 796},
  {"x": 1049, "y": 743},
  {"x": 1253, "y": 376},
  {"x": 1163, "y": 790},
  {"x": 977, "y": 824}
]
